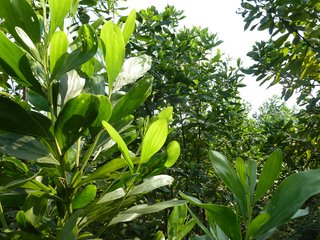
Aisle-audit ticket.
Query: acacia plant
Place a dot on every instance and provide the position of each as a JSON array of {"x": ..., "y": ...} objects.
[{"x": 66, "y": 161}]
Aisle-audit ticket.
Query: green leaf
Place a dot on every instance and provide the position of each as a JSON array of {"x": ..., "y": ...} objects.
[
  {"x": 14, "y": 62},
  {"x": 173, "y": 153},
  {"x": 133, "y": 99},
  {"x": 24, "y": 223},
  {"x": 269, "y": 173},
  {"x": 25, "y": 147},
  {"x": 84, "y": 197},
  {"x": 201, "y": 225},
  {"x": 258, "y": 222},
  {"x": 19, "y": 13},
  {"x": 289, "y": 197},
  {"x": 58, "y": 52},
  {"x": 150, "y": 184},
  {"x": 75, "y": 117},
  {"x": 14, "y": 118},
  {"x": 58, "y": 11},
  {"x": 252, "y": 176},
  {"x": 114, "y": 50},
  {"x": 129, "y": 26},
  {"x": 105, "y": 111},
  {"x": 228, "y": 175},
  {"x": 89, "y": 44},
  {"x": 121, "y": 144},
  {"x": 35, "y": 208},
  {"x": 29, "y": 44},
  {"x": 225, "y": 217},
  {"x": 154, "y": 139}
]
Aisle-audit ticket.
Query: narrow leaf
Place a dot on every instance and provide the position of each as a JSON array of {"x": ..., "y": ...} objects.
[
  {"x": 269, "y": 173},
  {"x": 289, "y": 197},
  {"x": 58, "y": 11},
  {"x": 121, "y": 144},
  {"x": 58, "y": 52},
  {"x": 114, "y": 50},
  {"x": 129, "y": 26}
]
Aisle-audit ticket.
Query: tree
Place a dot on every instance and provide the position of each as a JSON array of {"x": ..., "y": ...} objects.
[
  {"x": 65, "y": 129},
  {"x": 291, "y": 57}
]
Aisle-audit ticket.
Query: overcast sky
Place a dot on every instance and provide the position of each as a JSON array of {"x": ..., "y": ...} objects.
[{"x": 220, "y": 17}]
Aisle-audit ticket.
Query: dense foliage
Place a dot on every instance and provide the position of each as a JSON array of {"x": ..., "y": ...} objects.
[{"x": 107, "y": 117}]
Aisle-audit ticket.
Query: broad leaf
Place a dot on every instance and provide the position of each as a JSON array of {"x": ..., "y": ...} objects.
[
  {"x": 25, "y": 147},
  {"x": 133, "y": 99},
  {"x": 19, "y": 13},
  {"x": 114, "y": 50},
  {"x": 154, "y": 139},
  {"x": 269, "y": 173},
  {"x": 121, "y": 144},
  {"x": 129, "y": 26},
  {"x": 75, "y": 117},
  {"x": 289, "y": 197},
  {"x": 228, "y": 175},
  {"x": 58, "y": 52},
  {"x": 14, "y": 118},
  {"x": 110, "y": 196},
  {"x": 15, "y": 63},
  {"x": 223, "y": 216},
  {"x": 84, "y": 197},
  {"x": 58, "y": 11}
]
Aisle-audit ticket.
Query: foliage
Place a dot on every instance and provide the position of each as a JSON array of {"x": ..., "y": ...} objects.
[
  {"x": 66, "y": 160},
  {"x": 225, "y": 222},
  {"x": 291, "y": 56}
]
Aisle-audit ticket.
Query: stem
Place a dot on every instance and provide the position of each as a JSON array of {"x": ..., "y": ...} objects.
[{"x": 2, "y": 219}]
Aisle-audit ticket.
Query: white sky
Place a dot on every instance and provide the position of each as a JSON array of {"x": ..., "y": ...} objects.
[{"x": 220, "y": 17}]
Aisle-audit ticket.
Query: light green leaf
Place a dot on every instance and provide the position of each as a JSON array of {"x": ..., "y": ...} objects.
[
  {"x": 173, "y": 153},
  {"x": 228, "y": 175},
  {"x": 154, "y": 139},
  {"x": 258, "y": 222},
  {"x": 75, "y": 117},
  {"x": 166, "y": 114},
  {"x": 289, "y": 197},
  {"x": 25, "y": 124},
  {"x": 25, "y": 147},
  {"x": 14, "y": 62},
  {"x": 129, "y": 26},
  {"x": 114, "y": 50},
  {"x": 58, "y": 11},
  {"x": 269, "y": 173},
  {"x": 58, "y": 52},
  {"x": 70, "y": 86},
  {"x": 150, "y": 184},
  {"x": 19, "y": 13},
  {"x": 225, "y": 217},
  {"x": 121, "y": 144},
  {"x": 133, "y": 99},
  {"x": 84, "y": 197}
]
